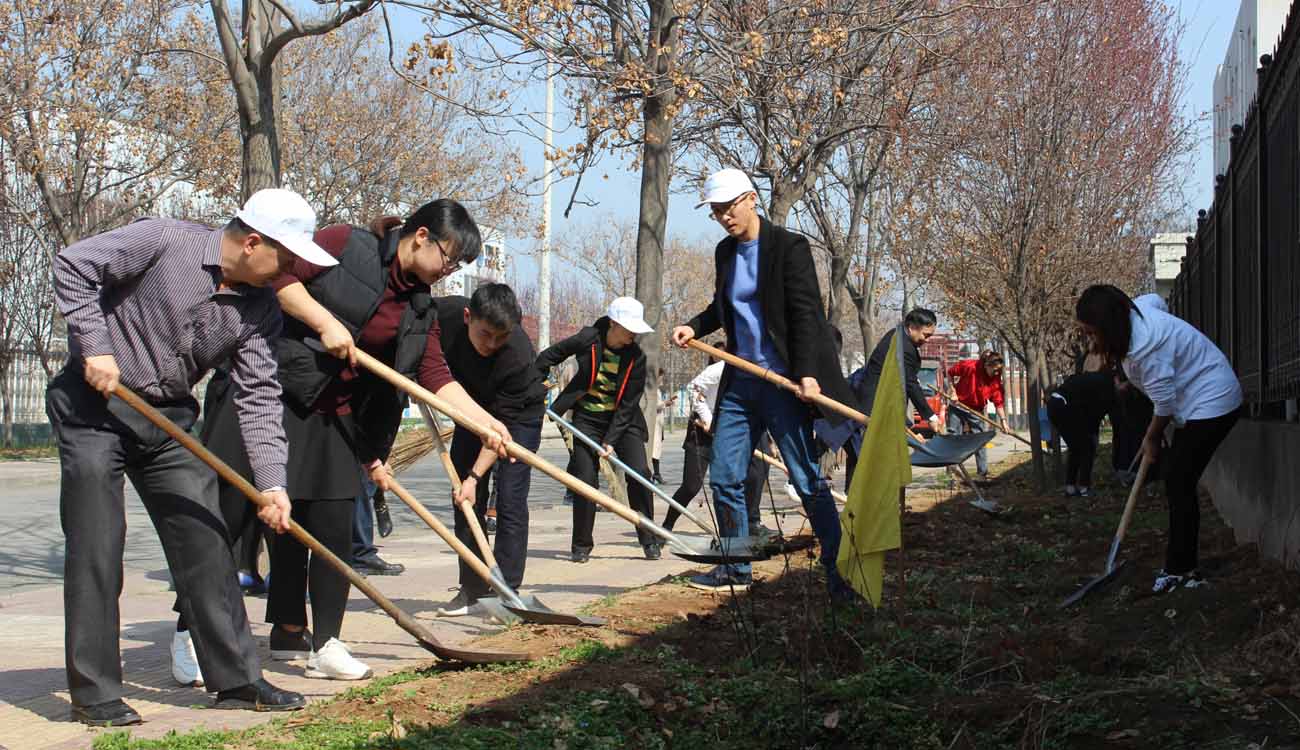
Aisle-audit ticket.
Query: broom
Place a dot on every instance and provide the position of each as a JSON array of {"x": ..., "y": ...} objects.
[{"x": 411, "y": 446}]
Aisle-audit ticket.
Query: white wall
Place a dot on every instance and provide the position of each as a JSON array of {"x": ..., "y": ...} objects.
[{"x": 1255, "y": 33}]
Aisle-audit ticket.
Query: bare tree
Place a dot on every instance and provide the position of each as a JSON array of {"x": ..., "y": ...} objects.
[{"x": 1065, "y": 147}]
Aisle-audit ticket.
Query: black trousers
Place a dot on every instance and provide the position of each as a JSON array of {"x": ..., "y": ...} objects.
[
  {"x": 295, "y": 572},
  {"x": 631, "y": 450},
  {"x": 1080, "y": 436},
  {"x": 1188, "y": 454},
  {"x": 101, "y": 441},
  {"x": 513, "y": 480},
  {"x": 695, "y": 462}
]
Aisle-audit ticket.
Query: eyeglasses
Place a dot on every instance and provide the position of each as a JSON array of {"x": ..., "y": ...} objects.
[
  {"x": 449, "y": 265},
  {"x": 721, "y": 211}
]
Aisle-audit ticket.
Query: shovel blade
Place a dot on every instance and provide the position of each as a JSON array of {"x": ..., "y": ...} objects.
[
  {"x": 731, "y": 550},
  {"x": 535, "y": 611},
  {"x": 1096, "y": 583},
  {"x": 466, "y": 655},
  {"x": 991, "y": 507}
]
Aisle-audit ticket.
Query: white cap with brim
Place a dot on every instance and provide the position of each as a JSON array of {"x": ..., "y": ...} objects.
[
  {"x": 630, "y": 314},
  {"x": 287, "y": 218},
  {"x": 724, "y": 187}
]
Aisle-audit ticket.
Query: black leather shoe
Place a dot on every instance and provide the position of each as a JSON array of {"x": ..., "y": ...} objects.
[
  {"x": 580, "y": 555},
  {"x": 378, "y": 566},
  {"x": 260, "y": 696},
  {"x": 383, "y": 519},
  {"x": 107, "y": 714}
]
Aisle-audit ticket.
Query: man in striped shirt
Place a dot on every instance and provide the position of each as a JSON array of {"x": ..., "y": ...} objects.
[{"x": 153, "y": 306}]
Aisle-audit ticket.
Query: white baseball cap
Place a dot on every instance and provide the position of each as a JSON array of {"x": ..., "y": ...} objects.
[
  {"x": 287, "y": 218},
  {"x": 725, "y": 186},
  {"x": 630, "y": 314}
]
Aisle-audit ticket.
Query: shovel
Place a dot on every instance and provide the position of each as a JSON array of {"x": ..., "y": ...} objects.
[
  {"x": 627, "y": 471},
  {"x": 510, "y": 605},
  {"x": 1112, "y": 567},
  {"x": 721, "y": 552},
  {"x": 404, "y": 620}
]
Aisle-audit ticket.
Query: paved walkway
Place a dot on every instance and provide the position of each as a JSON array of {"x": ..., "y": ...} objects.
[{"x": 34, "y": 705}]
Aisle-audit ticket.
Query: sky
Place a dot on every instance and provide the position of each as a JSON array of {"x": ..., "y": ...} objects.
[
  {"x": 610, "y": 191},
  {"x": 614, "y": 186},
  {"x": 1205, "y": 42}
]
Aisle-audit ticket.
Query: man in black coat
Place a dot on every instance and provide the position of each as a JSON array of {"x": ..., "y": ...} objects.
[
  {"x": 491, "y": 356},
  {"x": 919, "y": 325},
  {"x": 767, "y": 298},
  {"x": 605, "y": 397}
]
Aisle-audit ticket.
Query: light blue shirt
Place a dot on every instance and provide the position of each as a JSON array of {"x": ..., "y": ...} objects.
[{"x": 752, "y": 340}]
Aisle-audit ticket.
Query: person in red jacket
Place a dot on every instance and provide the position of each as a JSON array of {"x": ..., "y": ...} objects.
[{"x": 977, "y": 382}]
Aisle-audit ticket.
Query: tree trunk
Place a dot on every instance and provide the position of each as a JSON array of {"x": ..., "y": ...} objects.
[
  {"x": 1034, "y": 369},
  {"x": 7, "y": 404},
  {"x": 261, "y": 163},
  {"x": 656, "y": 171}
]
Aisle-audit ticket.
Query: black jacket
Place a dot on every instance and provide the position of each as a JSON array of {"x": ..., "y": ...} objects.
[
  {"x": 911, "y": 367},
  {"x": 588, "y": 345},
  {"x": 1089, "y": 394},
  {"x": 791, "y": 303},
  {"x": 352, "y": 292},
  {"x": 507, "y": 384}
]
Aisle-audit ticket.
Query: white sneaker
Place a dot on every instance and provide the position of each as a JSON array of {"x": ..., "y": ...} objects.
[
  {"x": 335, "y": 662},
  {"x": 185, "y": 663},
  {"x": 457, "y": 607},
  {"x": 791, "y": 493}
]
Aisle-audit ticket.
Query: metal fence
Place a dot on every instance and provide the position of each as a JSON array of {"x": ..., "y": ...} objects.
[
  {"x": 27, "y": 383},
  {"x": 1238, "y": 282}
]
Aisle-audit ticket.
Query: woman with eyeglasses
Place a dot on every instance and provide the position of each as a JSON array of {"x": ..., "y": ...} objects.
[
  {"x": 337, "y": 414},
  {"x": 1193, "y": 387},
  {"x": 977, "y": 383}
]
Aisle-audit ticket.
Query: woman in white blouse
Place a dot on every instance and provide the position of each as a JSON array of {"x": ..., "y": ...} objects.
[{"x": 1191, "y": 384}]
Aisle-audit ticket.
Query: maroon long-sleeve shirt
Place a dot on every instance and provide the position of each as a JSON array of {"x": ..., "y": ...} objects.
[{"x": 379, "y": 336}]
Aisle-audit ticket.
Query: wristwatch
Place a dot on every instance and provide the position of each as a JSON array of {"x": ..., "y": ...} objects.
[{"x": 475, "y": 474}]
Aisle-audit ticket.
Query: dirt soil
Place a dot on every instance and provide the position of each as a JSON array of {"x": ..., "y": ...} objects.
[{"x": 969, "y": 649}]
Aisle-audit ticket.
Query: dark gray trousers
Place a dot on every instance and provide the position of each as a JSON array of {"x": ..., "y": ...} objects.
[{"x": 100, "y": 441}]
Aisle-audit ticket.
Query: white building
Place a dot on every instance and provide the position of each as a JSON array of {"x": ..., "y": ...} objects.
[
  {"x": 1167, "y": 251},
  {"x": 492, "y": 265},
  {"x": 1255, "y": 33}
]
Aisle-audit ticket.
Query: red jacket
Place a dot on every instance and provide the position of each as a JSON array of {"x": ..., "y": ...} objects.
[{"x": 975, "y": 387}]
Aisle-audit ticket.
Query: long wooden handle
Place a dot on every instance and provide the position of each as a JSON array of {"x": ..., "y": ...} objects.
[
  {"x": 783, "y": 382},
  {"x": 963, "y": 407},
  {"x": 515, "y": 451},
  {"x": 441, "y": 530},
  {"x": 1130, "y": 504},
  {"x": 408, "y": 623},
  {"x": 466, "y": 508}
]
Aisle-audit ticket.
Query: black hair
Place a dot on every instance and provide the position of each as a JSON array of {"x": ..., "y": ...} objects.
[
  {"x": 447, "y": 221},
  {"x": 1105, "y": 308},
  {"x": 237, "y": 226},
  {"x": 920, "y": 317},
  {"x": 496, "y": 305}
]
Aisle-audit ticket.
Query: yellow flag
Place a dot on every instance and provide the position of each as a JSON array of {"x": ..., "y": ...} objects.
[{"x": 870, "y": 519}]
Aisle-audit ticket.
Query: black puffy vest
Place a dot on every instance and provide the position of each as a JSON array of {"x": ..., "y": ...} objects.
[{"x": 352, "y": 291}]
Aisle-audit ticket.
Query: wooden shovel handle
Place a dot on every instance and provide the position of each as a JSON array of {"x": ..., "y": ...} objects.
[
  {"x": 466, "y": 508},
  {"x": 441, "y": 530},
  {"x": 780, "y": 381},
  {"x": 516, "y": 451},
  {"x": 408, "y": 623},
  {"x": 963, "y": 407},
  {"x": 1132, "y": 499}
]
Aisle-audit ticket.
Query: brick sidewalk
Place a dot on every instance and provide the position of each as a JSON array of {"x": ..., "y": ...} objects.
[{"x": 34, "y": 707}]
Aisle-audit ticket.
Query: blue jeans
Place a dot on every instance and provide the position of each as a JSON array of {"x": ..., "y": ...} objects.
[
  {"x": 363, "y": 522},
  {"x": 747, "y": 408},
  {"x": 957, "y": 420}
]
